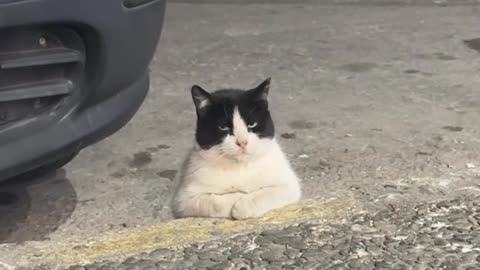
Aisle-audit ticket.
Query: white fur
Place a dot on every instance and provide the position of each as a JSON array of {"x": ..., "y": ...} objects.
[
  {"x": 228, "y": 182},
  {"x": 240, "y": 129},
  {"x": 203, "y": 103}
]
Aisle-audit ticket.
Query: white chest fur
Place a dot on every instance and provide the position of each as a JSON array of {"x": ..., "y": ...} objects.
[
  {"x": 213, "y": 186},
  {"x": 214, "y": 175}
]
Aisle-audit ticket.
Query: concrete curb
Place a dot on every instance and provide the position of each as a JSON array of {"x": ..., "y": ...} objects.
[{"x": 121, "y": 244}]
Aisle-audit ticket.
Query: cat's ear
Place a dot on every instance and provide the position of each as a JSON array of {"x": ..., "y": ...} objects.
[
  {"x": 261, "y": 91},
  {"x": 201, "y": 98}
]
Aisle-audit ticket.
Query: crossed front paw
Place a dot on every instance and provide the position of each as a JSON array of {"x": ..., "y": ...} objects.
[{"x": 245, "y": 208}]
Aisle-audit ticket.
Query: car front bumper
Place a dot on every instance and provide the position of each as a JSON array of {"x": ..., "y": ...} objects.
[
  {"x": 99, "y": 60},
  {"x": 73, "y": 133}
]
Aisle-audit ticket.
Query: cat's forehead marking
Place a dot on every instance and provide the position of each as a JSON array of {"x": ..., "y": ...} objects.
[
  {"x": 240, "y": 129},
  {"x": 231, "y": 99}
]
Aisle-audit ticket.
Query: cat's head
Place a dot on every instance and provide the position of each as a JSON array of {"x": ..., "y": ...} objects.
[{"x": 235, "y": 124}]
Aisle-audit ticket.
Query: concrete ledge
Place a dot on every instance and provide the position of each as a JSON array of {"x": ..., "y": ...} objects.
[{"x": 182, "y": 232}]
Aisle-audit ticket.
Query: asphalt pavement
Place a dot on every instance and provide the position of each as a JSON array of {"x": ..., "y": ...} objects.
[{"x": 376, "y": 104}]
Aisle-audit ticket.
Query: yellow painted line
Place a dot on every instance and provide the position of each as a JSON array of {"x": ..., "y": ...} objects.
[{"x": 182, "y": 232}]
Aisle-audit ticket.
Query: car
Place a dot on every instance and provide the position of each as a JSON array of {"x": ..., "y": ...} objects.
[{"x": 72, "y": 72}]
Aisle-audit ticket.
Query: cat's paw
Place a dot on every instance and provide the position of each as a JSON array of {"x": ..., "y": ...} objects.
[{"x": 245, "y": 208}]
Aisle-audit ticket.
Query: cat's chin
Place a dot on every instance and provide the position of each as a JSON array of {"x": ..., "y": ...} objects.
[{"x": 241, "y": 157}]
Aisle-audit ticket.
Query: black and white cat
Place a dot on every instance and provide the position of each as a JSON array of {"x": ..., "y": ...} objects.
[{"x": 236, "y": 168}]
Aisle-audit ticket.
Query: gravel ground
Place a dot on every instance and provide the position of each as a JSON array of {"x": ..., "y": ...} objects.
[{"x": 441, "y": 235}]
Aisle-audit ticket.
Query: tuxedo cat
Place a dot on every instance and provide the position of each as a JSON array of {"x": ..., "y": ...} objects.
[{"x": 236, "y": 168}]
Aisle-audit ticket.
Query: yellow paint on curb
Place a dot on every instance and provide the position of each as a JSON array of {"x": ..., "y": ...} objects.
[{"x": 183, "y": 232}]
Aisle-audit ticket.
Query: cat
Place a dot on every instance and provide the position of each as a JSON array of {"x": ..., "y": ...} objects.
[{"x": 236, "y": 168}]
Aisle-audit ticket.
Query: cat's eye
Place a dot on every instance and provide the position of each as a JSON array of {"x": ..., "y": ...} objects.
[
  {"x": 252, "y": 125},
  {"x": 223, "y": 128}
]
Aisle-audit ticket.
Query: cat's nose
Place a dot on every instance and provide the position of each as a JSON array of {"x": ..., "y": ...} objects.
[{"x": 242, "y": 143}]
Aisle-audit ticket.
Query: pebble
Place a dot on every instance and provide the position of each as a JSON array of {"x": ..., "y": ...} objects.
[
  {"x": 274, "y": 253},
  {"x": 441, "y": 242},
  {"x": 312, "y": 265},
  {"x": 292, "y": 253},
  {"x": 253, "y": 257},
  {"x": 221, "y": 266},
  {"x": 362, "y": 228},
  {"x": 382, "y": 265},
  {"x": 104, "y": 267},
  {"x": 159, "y": 253},
  {"x": 310, "y": 253},
  {"x": 290, "y": 267},
  {"x": 374, "y": 251},
  {"x": 297, "y": 244},
  {"x": 76, "y": 268},
  {"x": 202, "y": 264}
]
